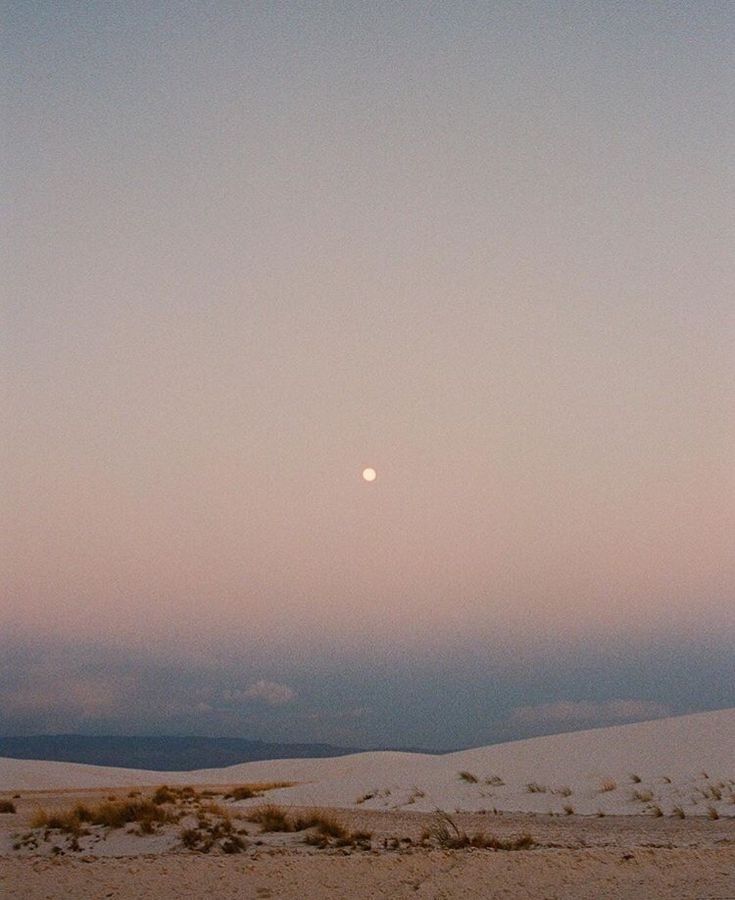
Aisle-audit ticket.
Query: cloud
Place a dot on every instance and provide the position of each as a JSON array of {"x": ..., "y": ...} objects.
[
  {"x": 270, "y": 692},
  {"x": 575, "y": 711},
  {"x": 56, "y": 703}
]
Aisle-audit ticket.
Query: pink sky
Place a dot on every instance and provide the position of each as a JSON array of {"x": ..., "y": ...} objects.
[{"x": 487, "y": 251}]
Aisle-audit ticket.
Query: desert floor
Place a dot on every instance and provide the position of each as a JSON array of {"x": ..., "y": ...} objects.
[{"x": 574, "y": 857}]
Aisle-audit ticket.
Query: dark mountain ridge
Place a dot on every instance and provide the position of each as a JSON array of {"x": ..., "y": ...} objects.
[{"x": 172, "y": 754}]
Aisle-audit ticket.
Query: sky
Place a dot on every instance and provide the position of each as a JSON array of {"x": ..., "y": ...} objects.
[{"x": 252, "y": 249}]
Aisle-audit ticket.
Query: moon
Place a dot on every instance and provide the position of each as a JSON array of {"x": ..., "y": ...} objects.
[{"x": 369, "y": 474}]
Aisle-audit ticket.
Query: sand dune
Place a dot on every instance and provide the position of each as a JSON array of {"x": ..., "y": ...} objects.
[{"x": 686, "y": 762}]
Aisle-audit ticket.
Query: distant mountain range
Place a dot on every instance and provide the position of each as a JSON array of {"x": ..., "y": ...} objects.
[{"x": 162, "y": 754}]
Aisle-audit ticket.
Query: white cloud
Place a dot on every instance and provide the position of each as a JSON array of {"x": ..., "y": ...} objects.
[
  {"x": 573, "y": 711},
  {"x": 270, "y": 692}
]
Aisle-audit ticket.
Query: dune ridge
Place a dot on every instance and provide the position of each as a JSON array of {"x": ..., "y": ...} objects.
[{"x": 683, "y": 762}]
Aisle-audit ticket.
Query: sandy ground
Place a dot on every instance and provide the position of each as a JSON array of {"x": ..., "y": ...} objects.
[{"x": 575, "y": 857}]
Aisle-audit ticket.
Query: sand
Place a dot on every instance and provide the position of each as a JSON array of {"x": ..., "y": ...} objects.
[{"x": 644, "y": 810}]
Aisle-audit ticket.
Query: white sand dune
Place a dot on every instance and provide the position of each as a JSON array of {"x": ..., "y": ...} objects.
[{"x": 684, "y": 761}]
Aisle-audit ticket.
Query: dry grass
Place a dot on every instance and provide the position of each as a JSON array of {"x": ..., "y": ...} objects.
[
  {"x": 325, "y": 829},
  {"x": 255, "y": 789},
  {"x": 468, "y": 777},
  {"x": 445, "y": 832},
  {"x": 164, "y": 794},
  {"x": 270, "y": 818},
  {"x": 110, "y": 814}
]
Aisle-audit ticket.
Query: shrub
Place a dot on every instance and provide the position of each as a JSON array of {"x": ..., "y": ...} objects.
[
  {"x": 161, "y": 795},
  {"x": 7, "y": 806},
  {"x": 678, "y": 812},
  {"x": 636, "y": 779},
  {"x": 190, "y": 838},
  {"x": 643, "y": 796},
  {"x": 712, "y": 813},
  {"x": 233, "y": 844},
  {"x": 607, "y": 785},
  {"x": 534, "y": 788},
  {"x": 568, "y": 809}
]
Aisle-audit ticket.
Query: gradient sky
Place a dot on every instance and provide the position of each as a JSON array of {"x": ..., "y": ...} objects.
[{"x": 486, "y": 248}]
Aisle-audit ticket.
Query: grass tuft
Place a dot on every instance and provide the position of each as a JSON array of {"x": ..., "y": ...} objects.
[
  {"x": 110, "y": 813},
  {"x": 270, "y": 818},
  {"x": 468, "y": 777},
  {"x": 445, "y": 832}
]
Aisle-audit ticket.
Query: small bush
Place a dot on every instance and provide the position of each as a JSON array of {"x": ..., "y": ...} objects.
[
  {"x": 608, "y": 785},
  {"x": 233, "y": 844},
  {"x": 494, "y": 781},
  {"x": 191, "y": 838},
  {"x": 534, "y": 788},
  {"x": 712, "y": 813},
  {"x": 656, "y": 811},
  {"x": 568, "y": 810},
  {"x": 636, "y": 779},
  {"x": 678, "y": 812},
  {"x": 564, "y": 792},
  {"x": 163, "y": 794},
  {"x": 643, "y": 796},
  {"x": 7, "y": 806}
]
